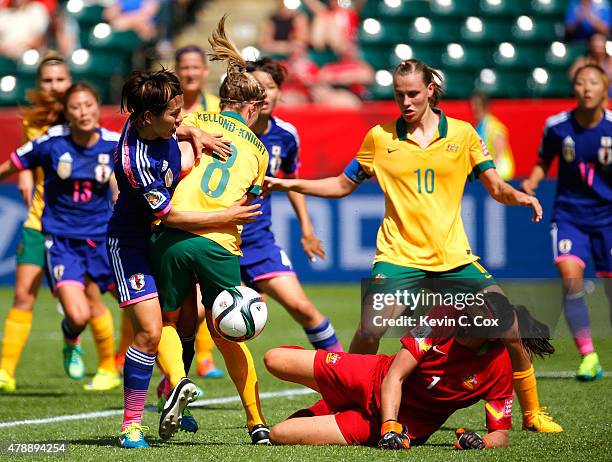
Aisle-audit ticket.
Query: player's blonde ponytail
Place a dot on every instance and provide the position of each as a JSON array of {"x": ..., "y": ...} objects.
[{"x": 238, "y": 87}]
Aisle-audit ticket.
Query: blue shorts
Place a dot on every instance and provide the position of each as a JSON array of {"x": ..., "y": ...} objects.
[
  {"x": 579, "y": 242},
  {"x": 70, "y": 260},
  {"x": 132, "y": 270},
  {"x": 266, "y": 262}
]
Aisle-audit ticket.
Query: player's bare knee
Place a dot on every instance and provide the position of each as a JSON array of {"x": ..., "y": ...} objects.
[
  {"x": 272, "y": 358},
  {"x": 24, "y": 298},
  {"x": 278, "y": 435}
]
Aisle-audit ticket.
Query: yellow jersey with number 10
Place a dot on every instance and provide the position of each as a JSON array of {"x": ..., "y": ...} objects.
[
  {"x": 423, "y": 188},
  {"x": 214, "y": 184}
]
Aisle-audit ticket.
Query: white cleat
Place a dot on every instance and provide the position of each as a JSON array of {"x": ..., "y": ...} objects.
[{"x": 170, "y": 419}]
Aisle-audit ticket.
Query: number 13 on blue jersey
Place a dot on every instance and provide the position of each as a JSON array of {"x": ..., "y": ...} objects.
[{"x": 218, "y": 164}]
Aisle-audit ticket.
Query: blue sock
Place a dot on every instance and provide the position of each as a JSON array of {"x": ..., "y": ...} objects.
[
  {"x": 188, "y": 344},
  {"x": 576, "y": 312},
  {"x": 137, "y": 373},
  {"x": 70, "y": 333},
  {"x": 322, "y": 336}
]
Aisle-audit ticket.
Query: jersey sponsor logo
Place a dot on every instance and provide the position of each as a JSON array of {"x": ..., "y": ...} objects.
[
  {"x": 58, "y": 272},
  {"x": 332, "y": 358},
  {"x": 508, "y": 406},
  {"x": 392, "y": 149},
  {"x": 497, "y": 415},
  {"x": 103, "y": 158},
  {"x": 469, "y": 381},
  {"x": 154, "y": 198},
  {"x": 103, "y": 173},
  {"x": 23, "y": 150},
  {"x": 168, "y": 178},
  {"x": 568, "y": 150},
  {"x": 437, "y": 350},
  {"x": 565, "y": 246},
  {"x": 164, "y": 165},
  {"x": 605, "y": 152},
  {"x": 137, "y": 281},
  {"x": 64, "y": 166}
]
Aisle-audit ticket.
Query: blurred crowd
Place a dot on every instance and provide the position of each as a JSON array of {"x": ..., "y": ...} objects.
[{"x": 318, "y": 46}]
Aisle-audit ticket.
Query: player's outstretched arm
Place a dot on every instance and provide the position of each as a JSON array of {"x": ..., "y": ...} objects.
[
  {"x": 331, "y": 187},
  {"x": 503, "y": 192},
  {"x": 239, "y": 213},
  {"x": 7, "y": 168},
  {"x": 531, "y": 183},
  {"x": 311, "y": 244}
]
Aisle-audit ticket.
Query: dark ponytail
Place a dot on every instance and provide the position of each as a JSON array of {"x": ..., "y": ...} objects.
[{"x": 149, "y": 91}]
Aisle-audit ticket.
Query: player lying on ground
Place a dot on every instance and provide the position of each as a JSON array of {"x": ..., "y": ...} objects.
[
  {"x": 582, "y": 217},
  {"x": 79, "y": 186},
  {"x": 421, "y": 162},
  {"x": 401, "y": 400}
]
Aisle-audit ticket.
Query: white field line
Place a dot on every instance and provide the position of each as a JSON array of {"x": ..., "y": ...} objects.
[
  {"x": 223, "y": 400},
  {"x": 114, "y": 412}
]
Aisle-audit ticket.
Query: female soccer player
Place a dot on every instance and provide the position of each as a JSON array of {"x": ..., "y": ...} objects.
[
  {"x": 76, "y": 162},
  {"x": 263, "y": 265},
  {"x": 421, "y": 162},
  {"x": 401, "y": 400},
  {"x": 212, "y": 256},
  {"x": 582, "y": 215},
  {"x": 149, "y": 163}
]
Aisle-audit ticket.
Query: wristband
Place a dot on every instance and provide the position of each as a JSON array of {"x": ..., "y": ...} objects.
[{"x": 391, "y": 426}]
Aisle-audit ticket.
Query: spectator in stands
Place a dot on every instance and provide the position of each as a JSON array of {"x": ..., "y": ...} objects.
[
  {"x": 136, "y": 15},
  {"x": 284, "y": 32},
  {"x": 335, "y": 24},
  {"x": 302, "y": 75},
  {"x": 596, "y": 54},
  {"x": 494, "y": 134},
  {"x": 344, "y": 83},
  {"x": 23, "y": 25},
  {"x": 584, "y": 18}
]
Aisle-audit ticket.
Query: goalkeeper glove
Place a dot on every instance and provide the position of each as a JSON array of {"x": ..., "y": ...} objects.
[
  {"x": 468, "y": 440},
  {"x": 394, "y": 436}
]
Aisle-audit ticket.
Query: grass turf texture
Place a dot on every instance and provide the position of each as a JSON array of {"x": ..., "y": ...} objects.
[{"x": 43, "y": 391}]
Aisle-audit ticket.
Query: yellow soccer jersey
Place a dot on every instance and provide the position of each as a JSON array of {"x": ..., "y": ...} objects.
[
  {"x": 422, "y": 227},
  {"x": 38, "y": 203},
  {"x": 208, "y": 103},
  {"x": 214, "y": 184}
]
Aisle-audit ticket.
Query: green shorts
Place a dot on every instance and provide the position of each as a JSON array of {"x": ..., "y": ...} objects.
[
  {"x": 472, "y": 276},
  {"x": 31, "y": 248},
  {"x": 179, "y": 259}
]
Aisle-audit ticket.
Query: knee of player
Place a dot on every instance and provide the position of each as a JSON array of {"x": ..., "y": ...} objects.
[
  {"x": 303, "y": 306},
  {"x": 78, "y": 319},
  {"x": 273, "y": 358},
  {"x": 24, "y": 299},
  {"x": 278, "y": 435}
]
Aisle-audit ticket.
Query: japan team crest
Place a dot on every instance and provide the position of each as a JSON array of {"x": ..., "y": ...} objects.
[
  {"x": 103, "y": 173},
  {"x": 58, "y": 272},
  {"x": 568, "y": 150},
  {"x": 275, "y": 160},
  {"x": 565, "y": 246},
  {"x": 64, "y": 166},
  {"x": 605, "y": 152},
  {"x": 137, "y": 281}
]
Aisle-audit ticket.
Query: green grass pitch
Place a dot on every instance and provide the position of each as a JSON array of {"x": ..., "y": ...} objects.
[{"x": 585, "y": 410}]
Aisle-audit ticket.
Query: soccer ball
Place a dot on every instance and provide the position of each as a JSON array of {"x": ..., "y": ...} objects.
[{"x": 239, "y": 314}]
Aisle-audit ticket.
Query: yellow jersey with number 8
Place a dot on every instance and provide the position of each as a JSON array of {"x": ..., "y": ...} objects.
[{"x": 214, "y": 184}]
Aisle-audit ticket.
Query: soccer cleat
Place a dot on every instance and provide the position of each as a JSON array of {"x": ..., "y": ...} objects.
[
  {"x": 73, "y": 361},
  {"x": 540, "y": 421},
  {"x": 163, "y": 392},
  {"x": 133, "y": 437},
  {"x": 188, "y": 422},
  {"x": 172, "y": 413},
  {"x": 7, "y": 383},
  {"x": 260, "y": 434},
  {"x": 103, "y": 381},
  {"x": 589, "y": 368},
  {"x": 208, "y": 370}
]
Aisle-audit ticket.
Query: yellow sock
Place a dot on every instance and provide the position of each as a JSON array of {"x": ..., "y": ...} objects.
[
  {"x": 127, "y": 333},
  {"x": 17, "y": 328},
  {"x": 527, "y": 390},
  {"x": 170, "y": 354},
  {"x": 241, "y": 368},
  {"x": 204, "y": 344},
  {"x": 104, "y": 337}
]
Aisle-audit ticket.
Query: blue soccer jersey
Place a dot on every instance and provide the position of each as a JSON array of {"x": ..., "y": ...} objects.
[
  {"x": 584, "y": 187},
  {"x": 77, "y": 194},
  {"x": 147, "y": 172},
  {"x": 283, "y": 145}
]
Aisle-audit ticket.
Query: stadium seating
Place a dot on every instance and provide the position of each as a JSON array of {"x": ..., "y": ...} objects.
[{"x": 509, "y": 39}]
